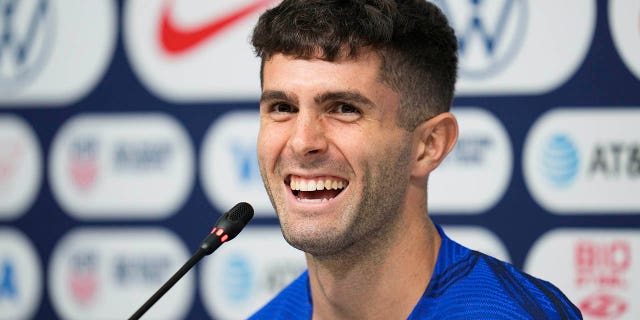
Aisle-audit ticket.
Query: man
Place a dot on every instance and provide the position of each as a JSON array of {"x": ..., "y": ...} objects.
[{"x": 354, "y": 117}]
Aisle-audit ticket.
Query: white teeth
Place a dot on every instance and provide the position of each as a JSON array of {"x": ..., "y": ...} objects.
[
  {"x": 313, "y": 185},
  {"x": 323, "y": 200},
  {"x": 310, "y": 200}
]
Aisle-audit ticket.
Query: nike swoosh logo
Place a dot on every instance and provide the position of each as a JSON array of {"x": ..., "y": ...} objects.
[{"x": 176, "y": 40}]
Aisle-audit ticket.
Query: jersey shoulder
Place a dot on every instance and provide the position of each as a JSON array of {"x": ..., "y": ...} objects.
[
  {"x": 469, "y": 284},
  {"x": 293, "y": 302}
]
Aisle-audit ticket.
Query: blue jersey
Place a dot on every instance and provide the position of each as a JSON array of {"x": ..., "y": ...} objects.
[{"x": 466, "y": 284}]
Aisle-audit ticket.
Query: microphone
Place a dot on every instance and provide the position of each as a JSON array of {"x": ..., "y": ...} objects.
[{"x": 226, "y": 228}]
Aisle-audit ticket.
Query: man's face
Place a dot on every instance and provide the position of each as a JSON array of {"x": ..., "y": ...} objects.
[{"x": 333, "y": 160}]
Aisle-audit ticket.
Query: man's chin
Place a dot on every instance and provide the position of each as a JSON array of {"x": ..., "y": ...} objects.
[{"x": 315, "y": 242}]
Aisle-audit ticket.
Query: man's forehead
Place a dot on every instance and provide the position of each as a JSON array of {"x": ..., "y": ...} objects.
[
  {"x": 372, "y": 58},
  {"x": 288, "y": 76},
  {"x": 287, "y": 67}
]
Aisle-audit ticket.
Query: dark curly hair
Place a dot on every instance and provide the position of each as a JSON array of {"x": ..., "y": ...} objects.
[{"x": 417, "y": 46}]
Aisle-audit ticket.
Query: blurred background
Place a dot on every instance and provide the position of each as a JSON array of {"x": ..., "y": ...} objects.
[{"x": 128, "y": 127}]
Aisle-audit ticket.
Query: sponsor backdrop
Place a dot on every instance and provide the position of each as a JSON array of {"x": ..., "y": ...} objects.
[{"x": 128, "y": 127}]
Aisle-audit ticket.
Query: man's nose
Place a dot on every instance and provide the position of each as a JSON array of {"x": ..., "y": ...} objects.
[{"x": 308, "y": 136}]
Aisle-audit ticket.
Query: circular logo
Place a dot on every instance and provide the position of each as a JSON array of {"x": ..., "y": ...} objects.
[
  {"x": 26, "y": 34},
  {"x": 560, "y": 161},
  {"x": 489, "y": 33},
  {"x": 239, "y": 279}
]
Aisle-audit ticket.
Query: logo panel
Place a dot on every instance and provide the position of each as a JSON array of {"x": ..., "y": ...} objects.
[
  {"x": 109, "y": 273},
  {"x": 27, "y": 31},
  {"x": 20, "y": 276},
  {"x": 479, "y": 239},
  {"x": 479, "y": 168},
  {"x": 229, "y": 163},
  {"x": 189, "y": 50},
  {"x": 579, "y": 161},
  {"x": 489, "y": 33},
  {"x": 121, "y": 166},
  {"x": 248, "y": 272},
  {"x": 40, "y": 59},
  {"x": 504, "y": 46},
  {"x": 597, "y": 269},
  {"x": 624, "y": 24},
  {"x": 20, "y": 166}
]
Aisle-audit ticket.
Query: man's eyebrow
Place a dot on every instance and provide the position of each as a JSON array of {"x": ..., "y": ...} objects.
[
  {"x": 346, "y": 96},
  {"x": 271, "y": 95}
]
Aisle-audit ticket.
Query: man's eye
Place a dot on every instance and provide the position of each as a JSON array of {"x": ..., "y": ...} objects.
[
  {"x": 345, "y": 108},
  {"x": 282, "y": 108}
]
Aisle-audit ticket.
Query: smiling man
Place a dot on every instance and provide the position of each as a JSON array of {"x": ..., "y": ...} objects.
[{"x": 354, "y": 117}]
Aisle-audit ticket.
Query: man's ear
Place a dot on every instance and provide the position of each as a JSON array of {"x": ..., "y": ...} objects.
[{"x": 434, "y": 139}]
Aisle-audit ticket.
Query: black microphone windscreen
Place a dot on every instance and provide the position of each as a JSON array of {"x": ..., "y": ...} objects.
[{"x": 241, "y": 212}]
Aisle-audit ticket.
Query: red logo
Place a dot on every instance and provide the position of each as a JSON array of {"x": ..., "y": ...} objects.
[
  {"x": 10, "y": 155},
  {"x": 603, "y": 264},
  {"x": 83, "y": 163},
  {"x": 176, "y": 40},
  {"x": 603, "y": 306},
  {"x": 83, "y": 287},
  {"x": 83, "y": 277},
  {"x": 83, "y": 173}
]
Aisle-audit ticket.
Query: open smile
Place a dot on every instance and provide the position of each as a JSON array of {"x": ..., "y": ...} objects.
[{"x": 316, "y": 189}]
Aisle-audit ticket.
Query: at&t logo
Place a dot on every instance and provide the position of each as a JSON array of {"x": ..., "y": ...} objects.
[
  {"x": 248, "y": 273},
  {"x": 561, "y": 164},
  {"x": 616, "y": 160},
  {"x": 240, "y": 278},
  {"x": 25, "y": 39},
  {"x": 575, "y": 163},
  {"x": 560, "y": 161}
]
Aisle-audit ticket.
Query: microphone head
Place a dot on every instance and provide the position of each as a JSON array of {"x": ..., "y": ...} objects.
[
  {"x": 240, "y": 212},
  {"x": 227, "y": 227},
  {"x": 234, "y": 220}
]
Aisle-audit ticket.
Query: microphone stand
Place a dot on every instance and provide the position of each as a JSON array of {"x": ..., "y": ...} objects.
[
  {"x": 167, "y": 285},
  {"x": 226, "y": 228}
]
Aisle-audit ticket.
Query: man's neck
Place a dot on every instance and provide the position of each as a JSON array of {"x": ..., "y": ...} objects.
[{"x": 380, "y": 278}]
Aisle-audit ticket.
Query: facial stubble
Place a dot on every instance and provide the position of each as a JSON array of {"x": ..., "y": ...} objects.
[{"x": 365, "y": 223}]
